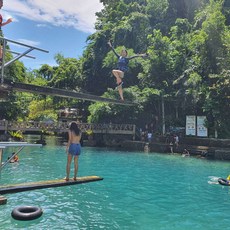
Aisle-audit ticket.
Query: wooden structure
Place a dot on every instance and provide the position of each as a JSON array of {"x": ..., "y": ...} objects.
[
  {"x": 5, "y": 189},
  {"x": 61, "y": 127},
  {"x": 14, "y": 188},
  {"x": 4, "y": 145},
  {"x": 7, "y": 86},
  {"x": 3, "y": 200},
  {"x": 22, "y": 87}
]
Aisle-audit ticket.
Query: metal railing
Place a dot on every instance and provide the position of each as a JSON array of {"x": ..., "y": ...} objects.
[{"x": 4, "y": 42}]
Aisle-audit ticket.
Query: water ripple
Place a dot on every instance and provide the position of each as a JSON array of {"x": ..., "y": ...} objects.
[{"x": 139, "y": 191}]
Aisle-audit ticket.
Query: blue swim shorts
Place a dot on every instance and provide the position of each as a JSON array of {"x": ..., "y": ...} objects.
[{"x": 74, "y": 149}]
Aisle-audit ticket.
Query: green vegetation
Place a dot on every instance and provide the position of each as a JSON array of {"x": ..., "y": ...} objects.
[
  {"x": 188, "y": 43},
  {"x": 18, "y": 136}
]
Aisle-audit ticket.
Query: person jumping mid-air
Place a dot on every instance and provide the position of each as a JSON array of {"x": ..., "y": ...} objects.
[{"x": 122, "y": 67}]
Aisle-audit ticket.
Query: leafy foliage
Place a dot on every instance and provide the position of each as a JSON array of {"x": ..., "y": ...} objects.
[
  {"x": 188, "y": 45},
  {"x": 42, "y": 110}
]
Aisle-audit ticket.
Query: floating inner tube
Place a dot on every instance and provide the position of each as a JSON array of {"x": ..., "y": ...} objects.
[
  {"x": 223, "y": 182},
  {"x": 26, "y": 213}
]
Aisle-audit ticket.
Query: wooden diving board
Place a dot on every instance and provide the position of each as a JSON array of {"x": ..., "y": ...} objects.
[
  {"x": 35, "y": 89},
  {"x": 15, "y": 188}
]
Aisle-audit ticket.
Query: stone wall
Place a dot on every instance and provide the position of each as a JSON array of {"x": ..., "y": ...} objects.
[
  {"x": 210, "y": 142},
  {"x": 217, "y": 149}
]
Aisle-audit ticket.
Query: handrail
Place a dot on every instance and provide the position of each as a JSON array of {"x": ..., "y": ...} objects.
[
  {"x": 63, "y": 127},
  {"x": 13, "y": 52},
  {"x": 20, "y": 43}
]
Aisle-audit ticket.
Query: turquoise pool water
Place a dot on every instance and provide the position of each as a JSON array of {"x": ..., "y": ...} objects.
[{"x": 139, "y": 191}]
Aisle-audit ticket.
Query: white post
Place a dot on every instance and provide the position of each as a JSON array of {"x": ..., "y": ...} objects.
[
  {"x": 216, "y": 134},
  {"x": 163, "y": 114},
  {"x": 6, "y": 126},
  {"x": 134, "y": 132},
  {"x": 1, "y": 154},
  {"x": 1, "y": 151}
]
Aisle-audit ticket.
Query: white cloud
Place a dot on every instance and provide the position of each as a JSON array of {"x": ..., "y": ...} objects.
[
  {"x": 42, "y": 25},
  {"x": 79, "y": 14}
]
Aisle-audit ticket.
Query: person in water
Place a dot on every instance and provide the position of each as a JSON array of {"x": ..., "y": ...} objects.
[
  {"x": 9, "y": 20},
  {"x": 228, "y": 178},
  {"x": 122, "y": 67},
  {"x": 185, "y": 153},
  {"x": 73, "y": 149},
  {"x": 14, "y": 159}
]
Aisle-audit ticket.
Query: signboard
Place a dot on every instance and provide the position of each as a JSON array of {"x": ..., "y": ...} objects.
[
  {"x": 202, "y": 131},
  {"x": 191, "y": 125}
]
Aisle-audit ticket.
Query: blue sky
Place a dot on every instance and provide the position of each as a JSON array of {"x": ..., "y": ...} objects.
[{"x": 58, "y": 26}]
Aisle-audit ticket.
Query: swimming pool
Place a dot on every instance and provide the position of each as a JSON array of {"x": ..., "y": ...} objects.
[{"x": 139, "y": 191}]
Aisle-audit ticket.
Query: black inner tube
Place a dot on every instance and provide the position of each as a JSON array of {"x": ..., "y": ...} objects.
[
  {"x": 26, "y": 213},
  {"x": 223, "y": 181}
]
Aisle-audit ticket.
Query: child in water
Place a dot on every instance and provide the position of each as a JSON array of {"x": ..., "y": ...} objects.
[
  {"x": 122, "y": 67},
  {"x": 14, "y": 159},
  {"x": 73, "y": 149}
]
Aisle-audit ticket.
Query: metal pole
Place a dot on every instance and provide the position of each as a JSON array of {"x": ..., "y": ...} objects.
[
  {"x": 3, "y": 64},
  {"x": 1, "y": 151},
  {"x": 19, "y": 43},
  {"x": 6, "y": 126},
  {"x": 3, "y": 60},
  {"x": 163, "y": 114},
  {"x": 134, "y": 132},
  {"x": 16, "y": 153},
  {"x": 13, "y": 52},
  {"x": 17, "y": 57}
]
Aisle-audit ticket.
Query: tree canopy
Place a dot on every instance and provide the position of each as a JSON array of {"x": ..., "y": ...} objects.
[{"x": 188, "y": 46}]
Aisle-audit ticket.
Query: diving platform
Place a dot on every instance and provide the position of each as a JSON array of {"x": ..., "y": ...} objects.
[
  {"x": 7, "y": 86},
  {"x": 15, "y": 188}
]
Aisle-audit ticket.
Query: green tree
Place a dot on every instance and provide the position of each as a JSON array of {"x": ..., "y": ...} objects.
[
  {"x": 42, "y": 110},
  {"x": 217, "y": 103},
  {"x": 67, "y": 75}
]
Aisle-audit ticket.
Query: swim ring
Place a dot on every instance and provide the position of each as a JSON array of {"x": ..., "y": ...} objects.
[
  {"x": 26, "y": 213},
  {"x": 223, "y": 181}
]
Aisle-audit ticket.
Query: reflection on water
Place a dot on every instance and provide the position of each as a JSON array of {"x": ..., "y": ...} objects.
[{"x": 49, "y": 140}]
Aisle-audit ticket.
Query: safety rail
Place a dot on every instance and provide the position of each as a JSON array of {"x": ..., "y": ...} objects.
[{"x": 29, "y": 48}]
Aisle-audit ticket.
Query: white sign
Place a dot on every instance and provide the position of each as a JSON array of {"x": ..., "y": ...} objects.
[
  {"x": 191, "y": 125},
  {"x": 202, "y": 131}
]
